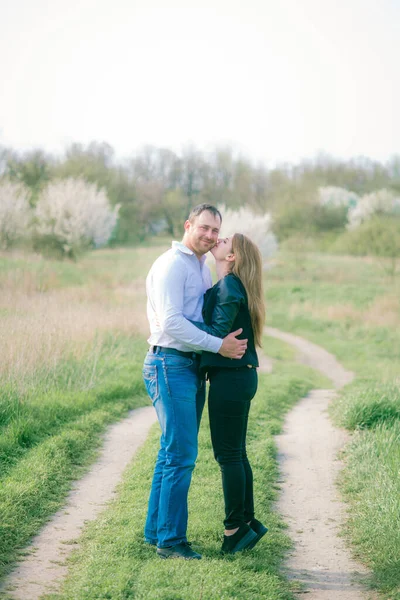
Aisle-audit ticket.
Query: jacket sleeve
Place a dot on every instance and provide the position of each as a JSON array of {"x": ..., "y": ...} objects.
[{"x": 229, "y": 298}]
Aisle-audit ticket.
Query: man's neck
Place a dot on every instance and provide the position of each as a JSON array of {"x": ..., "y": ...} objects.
[{"x": 185, "y": 243}]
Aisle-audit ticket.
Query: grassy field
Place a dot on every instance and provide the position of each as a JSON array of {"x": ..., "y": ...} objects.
[
  {"x": 72, "y": 339},
  {"x": 350, "y": 307},
  {"x": 114, "y": 563},
  {"x": 71, "y": 347}
]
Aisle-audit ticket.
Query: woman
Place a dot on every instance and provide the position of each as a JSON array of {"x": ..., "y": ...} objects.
[{"x": 235, "y": 301}]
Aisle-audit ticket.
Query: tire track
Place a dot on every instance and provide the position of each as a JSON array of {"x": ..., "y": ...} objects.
[
  {"x": 44, "y": 569},
  {"x": 308, "y": 457}
]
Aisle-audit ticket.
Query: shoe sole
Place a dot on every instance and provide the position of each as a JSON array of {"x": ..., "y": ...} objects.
[
  {"x": 257, "y": 539},
  {"x": 177, "y": 557}
]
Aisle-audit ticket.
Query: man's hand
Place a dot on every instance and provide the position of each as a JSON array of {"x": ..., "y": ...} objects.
[{"x": 232, "y": 347}]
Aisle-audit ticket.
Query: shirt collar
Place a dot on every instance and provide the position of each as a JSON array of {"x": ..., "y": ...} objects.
[{"x": 186, "y": 250}]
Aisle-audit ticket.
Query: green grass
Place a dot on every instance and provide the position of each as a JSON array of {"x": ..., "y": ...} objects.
[
  {"x": 299, "y": 293},
  {"x": 42, "y": 274},
  {"x": 279, "y": 351},
  {"x": 367, "y": 406},
  {"x": 114, "y": 563},
  {"x": 52, "y": 417},
  {"x": 371, "y": 484},
  {"x": 324, "y": 281},
  {"x": 50, "y": 430},
  {"x": 51, "y": 423}
]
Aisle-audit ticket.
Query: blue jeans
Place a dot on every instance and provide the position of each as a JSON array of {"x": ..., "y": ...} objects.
[{"x": 178, "y": 394}]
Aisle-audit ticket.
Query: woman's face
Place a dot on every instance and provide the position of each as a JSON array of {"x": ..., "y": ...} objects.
[{"x": 222, "y": 248}]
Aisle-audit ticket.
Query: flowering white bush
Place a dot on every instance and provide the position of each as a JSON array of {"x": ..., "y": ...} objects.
[
  {"x": 256, "y": 227},
  {"x": 14, "y": 212},
  {"x": 382, "y": 202},
  {"x": 337, "y": 197},
  {"x": 74, "y": 214}
]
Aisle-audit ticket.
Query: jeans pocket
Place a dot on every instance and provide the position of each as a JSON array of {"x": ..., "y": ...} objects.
[
  {"x": 151, "y": 382},
  {"x": 173, "y": 362}
]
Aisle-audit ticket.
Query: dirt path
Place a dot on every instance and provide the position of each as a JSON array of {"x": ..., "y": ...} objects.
[
  {"x": 43, "y": 570},
  {"x": 308, "y": 457},
  {"x": 45, "y": 567}
]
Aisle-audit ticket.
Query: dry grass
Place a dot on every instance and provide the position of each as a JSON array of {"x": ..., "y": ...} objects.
[
  {"x": 51, "y": 310},
  {"x": 46, "y": 314},
  {"x": 38, "y": 329},
  {"x": 383, "y": 312},
  {"x": 23, "y": 280}
]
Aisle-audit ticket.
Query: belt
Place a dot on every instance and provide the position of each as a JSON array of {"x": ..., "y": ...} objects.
[
  {"x": 163, "y": 350},
  {"x": 241, "y": 368}
]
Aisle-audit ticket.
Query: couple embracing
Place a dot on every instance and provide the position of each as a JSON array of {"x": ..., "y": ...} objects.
[{"x": 196, "y": 330}]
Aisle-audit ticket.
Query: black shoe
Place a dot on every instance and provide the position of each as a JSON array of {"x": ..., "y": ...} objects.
[
  {"x": 259, "y": 529},
  {"x": 240, "y": 540},
  {"x": 182, "y": 550}
]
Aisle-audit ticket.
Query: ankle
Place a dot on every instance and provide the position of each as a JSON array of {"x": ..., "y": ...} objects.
[{"x": 229, "y": 532}]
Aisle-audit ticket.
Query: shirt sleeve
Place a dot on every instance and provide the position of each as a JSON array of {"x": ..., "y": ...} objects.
[
  {"x": 229, "y": 298},
  {"x": 168, "y": 294}
]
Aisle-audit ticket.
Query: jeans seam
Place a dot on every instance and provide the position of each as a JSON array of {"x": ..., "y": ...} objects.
[
  {"x": 169, "y": 390},
  {"x": 168, "y": 522}
]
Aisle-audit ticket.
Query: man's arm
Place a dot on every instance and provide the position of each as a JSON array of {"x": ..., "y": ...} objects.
[
  {"x": 168, "y": 290},
  {"x": 167, "y": 293}
]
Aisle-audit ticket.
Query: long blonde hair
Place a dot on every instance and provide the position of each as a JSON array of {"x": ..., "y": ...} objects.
[{"x": 248, "y": 267}]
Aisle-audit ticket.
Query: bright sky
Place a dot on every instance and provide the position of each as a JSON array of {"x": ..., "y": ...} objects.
[{"x": 278, "y": 79}]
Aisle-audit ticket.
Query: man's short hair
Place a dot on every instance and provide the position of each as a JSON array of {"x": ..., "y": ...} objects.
[{"x": 197, "y": 210}]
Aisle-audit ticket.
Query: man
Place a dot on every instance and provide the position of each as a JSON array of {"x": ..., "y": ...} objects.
[{"x": 175, "y": 287}]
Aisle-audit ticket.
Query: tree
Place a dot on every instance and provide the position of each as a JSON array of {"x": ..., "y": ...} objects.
[
  {"x": 33, "y": 169},
  {"x": 193, "y": 177},
  {"x": 93, "y": 163},
  {"x": 71, "y": 216},
  {"x": 261, "y": 188},
  {"x": 255, "y": 226},
  {"x": 96, "y": 164},
  {"x": 14, "y": 213},
  {"x": 381, "y": 202},
  {"x": 243, "y": 191},
  {"x": 380, "y": 237}
]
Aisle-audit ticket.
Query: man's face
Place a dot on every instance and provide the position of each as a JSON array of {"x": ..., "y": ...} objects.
[
  {"x": 222, "y": 248},
  {"x": 202, "y": 234}
]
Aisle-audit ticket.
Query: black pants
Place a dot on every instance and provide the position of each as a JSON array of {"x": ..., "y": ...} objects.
[{"x": 230, "y": 395}]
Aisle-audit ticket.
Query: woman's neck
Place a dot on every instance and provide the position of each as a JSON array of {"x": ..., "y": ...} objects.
[{"x": 222, "y": 269}]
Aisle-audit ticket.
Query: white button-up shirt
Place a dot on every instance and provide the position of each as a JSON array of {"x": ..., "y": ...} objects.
[{"x": 175, "y": 287}]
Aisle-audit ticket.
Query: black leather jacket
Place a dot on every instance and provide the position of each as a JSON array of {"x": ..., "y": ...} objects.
[{"x": 226, "y": 309}]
